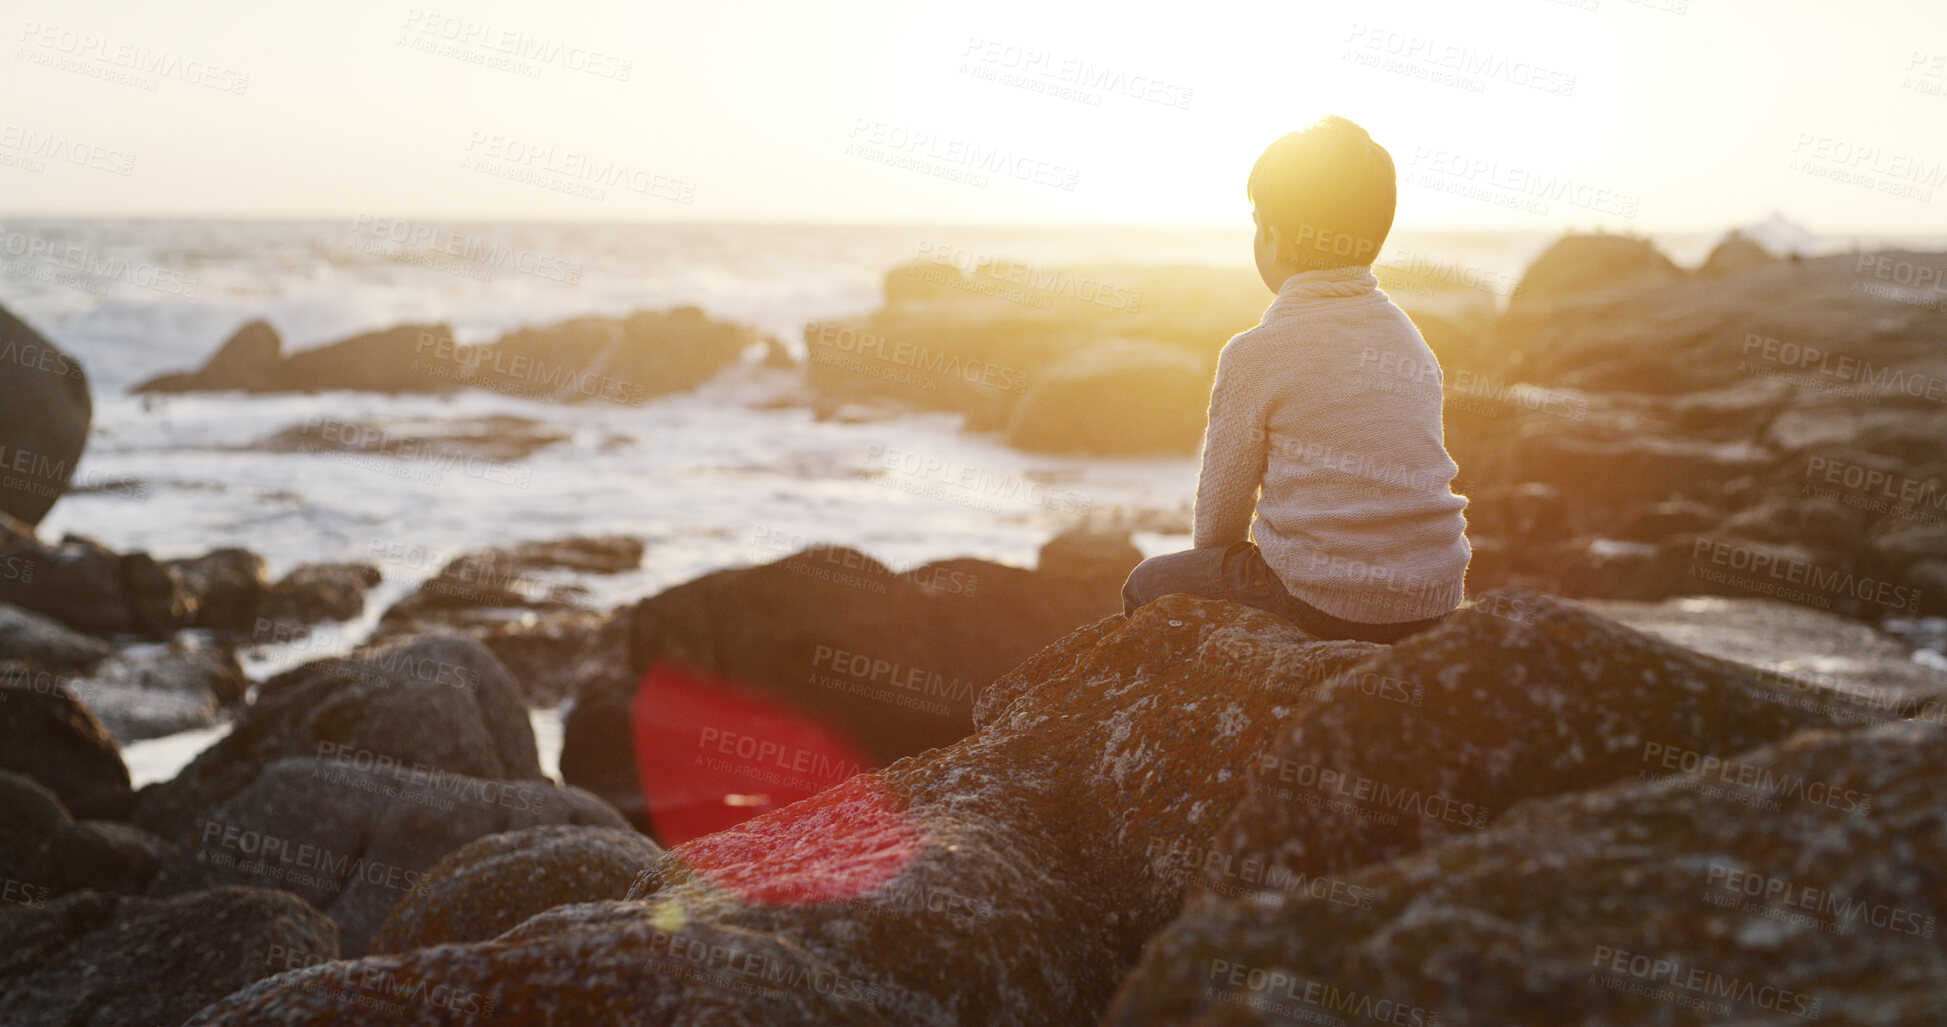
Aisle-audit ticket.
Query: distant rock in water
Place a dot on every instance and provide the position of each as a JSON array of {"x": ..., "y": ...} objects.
[
  {"x": 490, "y": 885},
  {"x": 1793, "y": 883},
  {"x": 1579, "y": 264},
  {"x": 429, "y": 446},
  {"x": 623, "y": 360},
  {"x": 351, "y": 835},
  {"x": 1011, "y": 877},
  {"x": 99, "y": 960},
  {"x": 890, "y": 662},
  {"x": 439, "y": 704},
  {"x": 1737, "y": 253},
  {"x": 45, "y": 410}
]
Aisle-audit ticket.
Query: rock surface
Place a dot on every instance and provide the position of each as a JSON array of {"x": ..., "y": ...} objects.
[
  {"x": 352, "y": 838},
  {"x": 45, "y": 853},
  {"x": 1796, "y": 883},
  {"x": 86, "y": 585},
  {"x": 439, "y": 703},
  {"x": 889, "y": 661},
  {"x": 1115, "y": 397},
  {"x": 615, "y": 359},
  {"x": 32, "y": 637},
  {"x": 99, "y": 960},
  {"x": 45, "y": 410},
  {"x": 49, "y": 736},
  {"x": 1009, "y": 878},
  {"x": 493, "y": 883}
]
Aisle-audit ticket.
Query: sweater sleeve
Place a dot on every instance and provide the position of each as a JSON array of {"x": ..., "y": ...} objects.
[{"x": 1234, "y": 449}]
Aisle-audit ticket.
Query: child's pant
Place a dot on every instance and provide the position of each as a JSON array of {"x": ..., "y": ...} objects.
[{"x": 1237, "y": 572}]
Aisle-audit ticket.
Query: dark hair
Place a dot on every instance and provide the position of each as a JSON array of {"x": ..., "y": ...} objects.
[{"x": 1330, "y": 190}]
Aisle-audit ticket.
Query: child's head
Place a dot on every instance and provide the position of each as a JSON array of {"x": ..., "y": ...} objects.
[{"x": 1321, "y": 198}]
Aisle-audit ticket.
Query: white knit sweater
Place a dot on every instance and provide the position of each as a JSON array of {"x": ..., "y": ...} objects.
[{"x": 1332, "y": 405}]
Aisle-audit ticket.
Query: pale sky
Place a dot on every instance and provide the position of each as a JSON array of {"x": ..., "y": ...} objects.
[{"x": 1526, "y": 114}]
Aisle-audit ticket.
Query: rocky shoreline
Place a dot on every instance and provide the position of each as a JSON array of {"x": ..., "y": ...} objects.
[{"x": 969, "y": 792}]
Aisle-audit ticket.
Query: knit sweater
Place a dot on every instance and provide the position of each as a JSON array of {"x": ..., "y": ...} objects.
[{"x": 1331, "y": 406}]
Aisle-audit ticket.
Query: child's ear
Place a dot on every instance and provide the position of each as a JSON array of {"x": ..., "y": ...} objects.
[{"x": 1279, "y": 251}]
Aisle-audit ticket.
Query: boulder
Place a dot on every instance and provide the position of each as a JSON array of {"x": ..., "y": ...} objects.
[
  {"x": 222, "y": 588},
  {"x": 45, "y": 853},
  {"x": 1735, "y": 255},
  {"x": 45, "y": 410},
  {"x": 99, "y": 960},
  {"x": 440, "y": 703},
  {"x": 1011, "y": 877},
  {"x": 29, "y": 636},
  {"x": 314, "y": 592},
  {"x": 1516, "y": 696},
  {"x": 47, "y": 735},
  {"x": 491, "y": 884},
  {"x": 149, "y": 691},
  {"x": 1124, "y": 397},
  {"x": 1580, "y": 264},
  {"x": 87, "y": 586},
  {"x": 888, "y": 662},
  {"x": 1788, "y": 884},
  {"x": 483, "y": 447},
  {"x": 352, "y": 835}
]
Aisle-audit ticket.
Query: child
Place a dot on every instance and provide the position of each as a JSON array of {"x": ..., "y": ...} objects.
[{"x": 1324, "y": 420}]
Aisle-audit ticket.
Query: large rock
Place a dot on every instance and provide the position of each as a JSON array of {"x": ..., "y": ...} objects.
[
  {"x": 1010, "y": 878},
  {"x": 46, "y": 853},
  {"x": 47, "y": 735},
  {"x": 45, "y": 410},
  {"x": 1517, "y": 696},
  {"x": 443, "y": 704},
  {"x": 1793, "y": 883},
  {"x": 149, "y": 691},
  {"x": 223, "y": 587},
  {"x": 888, "y": 661},
  {"x": 32, "y": 637},
  {"x": 88, "y": 586},
  {"x": 352, "y": 836},
  {"x": 1580, "y": 264},
  {"x": 492, "y": 884},
  {"x": 314, "y": 592},
  {"x": 1115, "y": 398},
  {"x": 100, "y": 960},
  {"x": 616, "y": 359}
]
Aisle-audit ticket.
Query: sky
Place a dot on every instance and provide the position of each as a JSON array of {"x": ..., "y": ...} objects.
[{"x": 1623, "y": 115}]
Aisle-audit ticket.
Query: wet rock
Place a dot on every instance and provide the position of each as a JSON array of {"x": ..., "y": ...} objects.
[
  {"x": 1008, "y": 878},
  {"x": 427, "y": 448},
  {"x": 100, "y": 960},
  {"x": 351, "y": 835},
  {"x": 47, "y": 735},
  {"x": 440, "y": 703},
  {"x": 147, "y": 691},
  {"x": 1797, "y": 882},
  {"x": 45, "y": 410},
  {"x": 493, "y": 883},
  {"x": 222, "y": 587},
  {"x": 26, "y": 635},
  {"x": 1518, "y": 696},
  {"x": 1116, "y": 398},
  {"x": 888, "y": 661},
  {"x": 315, "y": 592},
  {"x": 620, "y": 360},
  {"x": 45, "y": 853}
]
